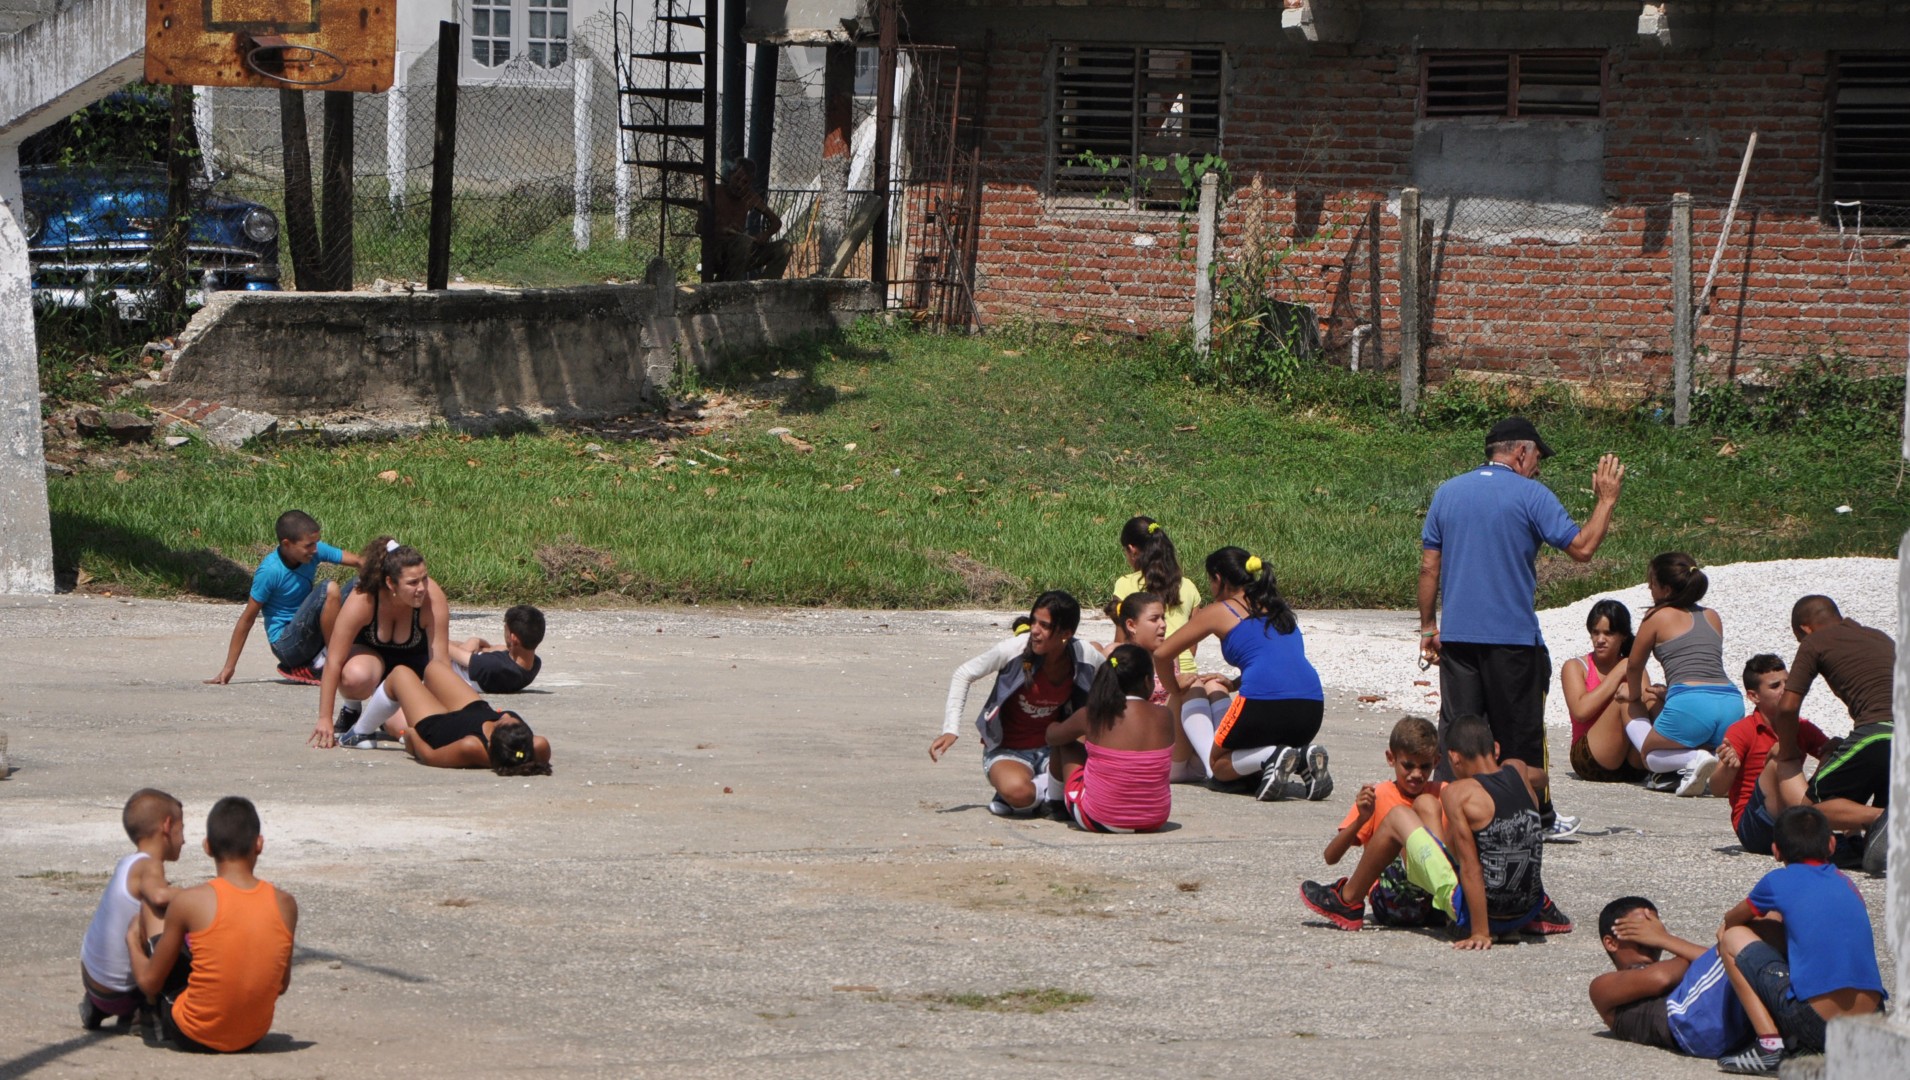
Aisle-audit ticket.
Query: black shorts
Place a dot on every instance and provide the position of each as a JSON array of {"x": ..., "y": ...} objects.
[
  {"x": 1286, "y": 722},
  {"x": 1506, "y": 685},
  {"x": 1646, "y": 1023},
  {"x": 1858, "y": 770},
  {"x": 1769, "y": 973}
]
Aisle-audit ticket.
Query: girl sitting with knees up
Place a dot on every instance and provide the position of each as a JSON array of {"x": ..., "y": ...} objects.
[
  {"x": 460, "y": 730},
  {"x": 1701, "y": 702},
  {"x": 1114, "y": 754},
  {"x": 396, "y": 617},
  {"x": 1141, "y": 619},
  {"x": 1041, "y": 678},
  {"x": 1156, "y": 569},
  {"x": 1597, "y": 692},
  {"x": 1268, "y": 730}
]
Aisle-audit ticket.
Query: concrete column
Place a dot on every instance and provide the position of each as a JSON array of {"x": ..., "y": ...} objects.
[
  {"x": 580, "y": 141},
  {"x": 397, "y": 132},
  {"x": 26, "y": 535},
  {"x": 1683, "y": 314},
  {"x": 202, "y": 127},
  {"x": 838, "y": 114},
  {"x": 1409, "y": 296},
  {"x": 1204, "y": 262}
]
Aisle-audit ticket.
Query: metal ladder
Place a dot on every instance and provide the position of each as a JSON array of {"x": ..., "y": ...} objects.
[{"x": 668, "y": 94}]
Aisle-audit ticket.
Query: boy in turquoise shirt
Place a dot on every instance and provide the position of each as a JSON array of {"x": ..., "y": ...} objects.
[{"x": 298, "y": 615}]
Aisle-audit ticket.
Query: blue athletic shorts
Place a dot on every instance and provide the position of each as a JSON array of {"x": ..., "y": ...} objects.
[
  {"x": 1697, "y": 714},
  {"x": 1756, "y": 830}
]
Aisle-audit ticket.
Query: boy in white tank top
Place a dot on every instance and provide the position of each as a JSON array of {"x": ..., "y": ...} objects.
[{"x": 138, "y": 890}]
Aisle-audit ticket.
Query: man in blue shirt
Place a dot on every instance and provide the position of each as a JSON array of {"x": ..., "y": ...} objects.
[
  {"x": 1480, "y": 543},
  {"x": 298, "y": 616}
]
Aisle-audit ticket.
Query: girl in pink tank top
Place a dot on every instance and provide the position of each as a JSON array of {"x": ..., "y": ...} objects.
[
  {"x": 1596, "y": 696},
  {"x": 1114, "y": 755}
]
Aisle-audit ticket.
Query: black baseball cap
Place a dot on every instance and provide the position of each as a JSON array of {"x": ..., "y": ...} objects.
[{"x": 1517, "y": 429}]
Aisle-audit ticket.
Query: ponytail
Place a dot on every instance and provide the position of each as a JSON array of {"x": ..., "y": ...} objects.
[
  {"x": 1159, "y": 564},
  {"x": 1679, "y": 573},
  {"x": 1129, "y": 671},
  {"x": 382, "y": 560},
  {"x": 1254, "y": 578}
]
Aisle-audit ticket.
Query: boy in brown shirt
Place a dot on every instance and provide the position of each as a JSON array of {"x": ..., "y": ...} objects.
[{"x": 1852, "y": 786}]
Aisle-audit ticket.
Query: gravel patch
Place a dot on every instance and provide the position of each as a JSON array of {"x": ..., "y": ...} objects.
[{"x": 1754, "y": 600}]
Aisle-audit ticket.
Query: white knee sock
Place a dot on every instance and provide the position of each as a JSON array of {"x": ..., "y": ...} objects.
[
  {"x": 1636, "y": 730},
  {"x": 378, "y": 708},
  {"x": 1181, "y": 772},
  {"x": 1671, "y": 760},
  {"x": 1249, "y": 762},
  {"x": 1046, "y": 787},
  {"x": 1197, "y": 720}
]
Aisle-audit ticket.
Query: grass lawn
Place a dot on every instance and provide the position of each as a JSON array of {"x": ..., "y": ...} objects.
[{"x": 954, "y": 471}]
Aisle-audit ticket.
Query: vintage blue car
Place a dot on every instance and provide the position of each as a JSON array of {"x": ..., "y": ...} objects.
[{"x": 91, "y": 233}]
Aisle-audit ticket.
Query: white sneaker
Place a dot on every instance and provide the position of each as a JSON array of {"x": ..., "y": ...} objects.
[
  {"x": 1562, "y": 827},
  {"x": 1000, "y": 808},
  {"x": 1695, "y": 779}
]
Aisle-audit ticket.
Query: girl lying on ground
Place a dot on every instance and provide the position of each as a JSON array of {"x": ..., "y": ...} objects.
[
  {"x": 1113, "y": 756},
  {"x": 460, "y": 730},
  {"x": 1268, "y": 730}
]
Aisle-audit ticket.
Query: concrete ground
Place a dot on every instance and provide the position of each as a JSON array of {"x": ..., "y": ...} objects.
[{"x": 746, "y": 861}]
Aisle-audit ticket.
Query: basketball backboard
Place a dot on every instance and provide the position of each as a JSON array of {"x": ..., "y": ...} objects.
[{"x": 287, "y": 44}]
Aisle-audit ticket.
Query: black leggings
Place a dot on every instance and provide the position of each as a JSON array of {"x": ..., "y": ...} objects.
[{"x": 1286, "y": 722}]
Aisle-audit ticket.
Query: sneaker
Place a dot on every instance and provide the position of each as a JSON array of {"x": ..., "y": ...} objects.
[
  {"x": 1753, "y": 1060},
  {"x": 1000, "y": 808},
  {"x": 347, "y": 716},
  {"x": 1695, "y": 779},
  {"x": 1661, "y": 781},
  {"x": 1877, "y": 845},
  {"x": 302, "y": 675},
  {"x": 91, "y": 1016},
  {"x": 355, "y": 741},
  {"x": 1550, "y": 920},
  {"x": 1276, "y": 773},
  {"x": 1563, "y": 825},
  {"x": 1319, "y": 782},
  {"x": 1325, "y": 900}
]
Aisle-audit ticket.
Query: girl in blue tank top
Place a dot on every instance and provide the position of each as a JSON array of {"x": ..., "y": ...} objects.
[{"x": 1266, "y": 733}]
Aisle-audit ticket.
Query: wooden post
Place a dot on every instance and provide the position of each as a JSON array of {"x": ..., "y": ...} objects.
[
  {"x": 338, "y": 194},
  {"x": 1682, "y": 313},
  {"x": 735, "y": 68},
  {"x": 444, "y": 140},
  {"x": 1409, "y": 295},
  {"x": 888, "y": 36},
  {"x": 1204, "y": 262},
  {"x": 301, "y": 221}
]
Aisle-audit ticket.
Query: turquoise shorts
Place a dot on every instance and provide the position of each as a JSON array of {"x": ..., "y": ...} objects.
[{"x": 1698, "y": 714}]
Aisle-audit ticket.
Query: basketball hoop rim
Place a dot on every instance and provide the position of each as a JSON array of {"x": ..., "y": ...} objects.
[{"x": 314, "y": 50}]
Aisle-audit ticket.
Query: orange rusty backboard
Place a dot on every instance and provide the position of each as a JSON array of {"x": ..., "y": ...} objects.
[{"x": 306, "y": 44}]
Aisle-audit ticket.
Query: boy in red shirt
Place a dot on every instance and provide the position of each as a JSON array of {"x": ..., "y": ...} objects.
[
  {"x": 1757, "y": 794},
  {"x": 1413, "y": 752}
]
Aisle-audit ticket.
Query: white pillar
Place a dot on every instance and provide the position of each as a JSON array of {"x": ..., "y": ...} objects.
[
  {"x": 623, "y": 162},
  {"x": 202, "y": 127},
  {"x": 397, "y": 126},
  {"x": 580, "y": 135},
  {"x": 1204, "y": 261},
  {"x": 26, "y": 537}
]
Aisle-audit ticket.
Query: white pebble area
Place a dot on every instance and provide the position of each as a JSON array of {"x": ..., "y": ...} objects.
[{"x": 1754, "y": 600}]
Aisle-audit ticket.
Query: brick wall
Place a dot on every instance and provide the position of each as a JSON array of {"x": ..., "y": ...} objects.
[{"x": 1331, "y": 132}]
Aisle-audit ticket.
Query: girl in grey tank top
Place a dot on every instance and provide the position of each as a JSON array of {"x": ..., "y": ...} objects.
[{"x": 1701, "y": 702}]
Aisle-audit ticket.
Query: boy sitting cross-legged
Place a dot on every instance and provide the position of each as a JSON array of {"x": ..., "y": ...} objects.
[
  {"x": 1488, "y": 881},
  {"x": 220, "y": 992},
  {"x": 298, "y": 612},
  {"x": 1682, "y": 1002},
  {"x": 1413, "y": 752},
  {"x": 1799, "y": 949}
]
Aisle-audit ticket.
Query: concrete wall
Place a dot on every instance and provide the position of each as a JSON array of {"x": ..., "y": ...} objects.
[
  {"x": 1561, "y": 271},
  {"x": 472, "y": 355}
]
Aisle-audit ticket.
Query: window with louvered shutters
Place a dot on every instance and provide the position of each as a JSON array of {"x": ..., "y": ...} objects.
[
  {"x": 1111, "y": 105},
  {"x": 1869, "y": 143},
  {"x": 1513, "y": 85}
]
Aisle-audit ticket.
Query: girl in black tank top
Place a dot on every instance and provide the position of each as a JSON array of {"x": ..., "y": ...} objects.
[
  {"x": 414, "y": 652},
  {"x": 457, "y": 729}
]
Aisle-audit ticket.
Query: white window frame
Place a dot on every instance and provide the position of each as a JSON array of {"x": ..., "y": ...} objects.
[{"x": 519, "y": 68}]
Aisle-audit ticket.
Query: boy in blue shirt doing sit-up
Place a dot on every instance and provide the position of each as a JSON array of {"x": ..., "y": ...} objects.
[{"x": 298, "y": 614}]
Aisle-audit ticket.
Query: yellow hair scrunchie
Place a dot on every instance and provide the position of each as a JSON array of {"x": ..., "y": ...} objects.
[
  {"x": 1254, "y": 564},
  {"x": 1153, "y": 527},
  {"x": 520, "y": 755},
  {"x": 1114, "y": 661}
]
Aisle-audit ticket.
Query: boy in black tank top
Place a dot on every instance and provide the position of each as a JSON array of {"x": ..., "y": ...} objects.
[{"x": 1481, "y": 863}]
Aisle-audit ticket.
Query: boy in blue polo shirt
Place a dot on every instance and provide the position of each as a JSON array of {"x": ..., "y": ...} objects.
[
  {"x": 298, "y": 616},
  {"x": 1799, "y": 949}
]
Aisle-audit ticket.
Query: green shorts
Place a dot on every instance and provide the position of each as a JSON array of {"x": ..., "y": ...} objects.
[{"x": 1429, "y": 867}]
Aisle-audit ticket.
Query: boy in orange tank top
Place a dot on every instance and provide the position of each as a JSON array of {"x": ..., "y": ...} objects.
[{"x": 217, "y": 971}]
